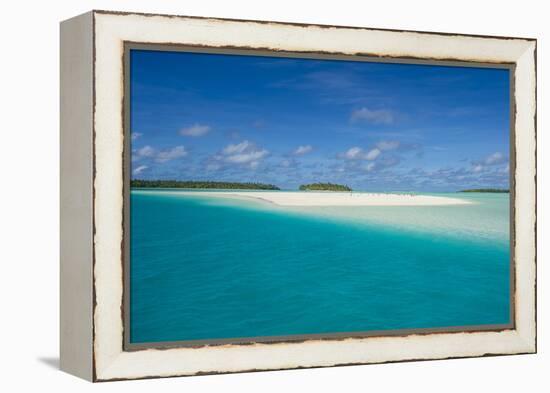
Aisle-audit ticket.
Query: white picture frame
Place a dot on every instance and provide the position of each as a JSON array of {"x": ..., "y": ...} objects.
[{"x": 93, "y": 193}]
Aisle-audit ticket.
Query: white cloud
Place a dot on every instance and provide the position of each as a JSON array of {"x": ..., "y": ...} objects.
[
  {"x": 237, "y": 147},
  {"x": 353, "y": 153},
  {"x": 195, "y": 130},
  {"x": 370, "y": 167},
  {"x": 301, "y": 150},
  {"x": 171, "y": 154},
  {"x": 371, "y": 155},
  {"x": 357, "y": 153},
  {"x": 495, "y": 158},
  {"x": 477, "y": 168},
  {"x": 148, "y": 152},
  {"x": 492, "y": 160},
  {"x": 139, "y": 169},
  {"x": 251, "y": 156},
  {"x": 144, "y": 152},
  {"x": 505, "y": 169},
  {"x": 376, "y": 116},
  {"x": 136, "y": 135},
  {"x": 245, "y": 153},
  {"x": 388, "y": 145},
  {"x": 286, "y": 163}
]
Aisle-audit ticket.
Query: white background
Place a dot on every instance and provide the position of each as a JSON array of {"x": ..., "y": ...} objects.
[{"x": 29, "y": 206}]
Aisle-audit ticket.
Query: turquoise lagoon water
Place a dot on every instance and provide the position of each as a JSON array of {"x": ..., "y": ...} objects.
[{"x": 212, "y": 268}]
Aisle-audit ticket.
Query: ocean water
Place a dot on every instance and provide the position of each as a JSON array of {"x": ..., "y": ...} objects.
[{"x": 213, "y": 268}]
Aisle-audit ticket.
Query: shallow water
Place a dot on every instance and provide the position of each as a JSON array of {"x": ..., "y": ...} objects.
[{"x": 209, "y": 268}]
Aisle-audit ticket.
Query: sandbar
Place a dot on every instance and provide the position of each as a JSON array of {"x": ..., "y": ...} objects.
[{"x": 316, "y": 198}]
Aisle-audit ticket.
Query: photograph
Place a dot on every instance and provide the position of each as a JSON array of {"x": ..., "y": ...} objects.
[{"x": 282, "y": 197}]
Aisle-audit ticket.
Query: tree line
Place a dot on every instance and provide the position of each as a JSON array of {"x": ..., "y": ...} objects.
[
  {"x": 136, "y": 183},
  {"x": 222, "y": 185},
  {"x": 324, "y": 187}
]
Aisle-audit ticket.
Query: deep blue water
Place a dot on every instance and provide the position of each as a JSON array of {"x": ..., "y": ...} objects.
[{"x": 203, "y": 268}]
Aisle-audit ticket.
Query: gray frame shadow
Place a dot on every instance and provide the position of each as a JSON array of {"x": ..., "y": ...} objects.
[{"x": 125, "y": 309}]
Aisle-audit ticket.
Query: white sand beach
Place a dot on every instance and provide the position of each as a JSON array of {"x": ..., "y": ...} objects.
[{"x": 312, "y": 198}]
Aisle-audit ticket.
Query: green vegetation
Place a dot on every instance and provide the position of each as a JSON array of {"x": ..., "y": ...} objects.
[
  {"x": 493, "y": 190},
  {"x": 222, "y": 185},
  {"x": 324, "y": 187}
]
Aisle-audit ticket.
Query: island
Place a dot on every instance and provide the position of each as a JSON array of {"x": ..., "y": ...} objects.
[
  {"x": 219, "y": 185},
  {"x": 324, "y": 187},
  {"x": 491, "y": 190}
]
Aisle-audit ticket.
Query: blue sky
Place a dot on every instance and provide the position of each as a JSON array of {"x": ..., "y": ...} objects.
[{"x": 372, "y": 126}]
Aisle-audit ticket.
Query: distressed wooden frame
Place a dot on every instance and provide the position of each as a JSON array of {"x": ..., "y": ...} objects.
[{"x": 93, "y": 188}]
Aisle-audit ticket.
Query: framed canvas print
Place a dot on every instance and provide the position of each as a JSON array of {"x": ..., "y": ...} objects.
[{"x": 245, "y": 195}]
